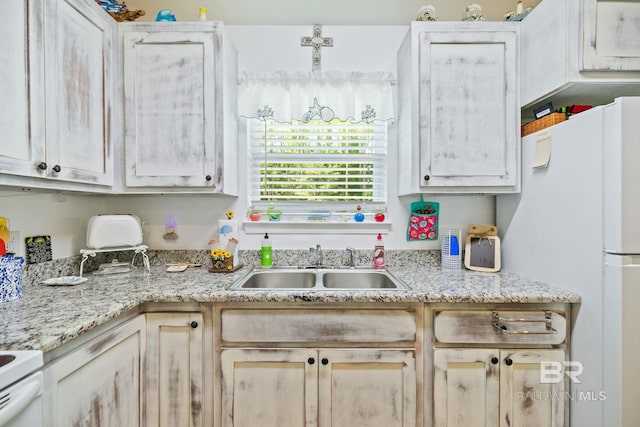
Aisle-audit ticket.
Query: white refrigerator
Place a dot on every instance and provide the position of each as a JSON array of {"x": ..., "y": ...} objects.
[{"x": 576, "y": 225}]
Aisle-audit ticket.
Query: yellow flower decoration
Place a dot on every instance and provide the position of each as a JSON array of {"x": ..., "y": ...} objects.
[
  {"x": 229, "y": 214},
  {"x": 220, "y": 253}
]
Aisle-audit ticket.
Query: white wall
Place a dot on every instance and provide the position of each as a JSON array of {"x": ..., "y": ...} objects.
[
  {"x": 326, "y": 12},
  {"x": 62, "y": 216}
]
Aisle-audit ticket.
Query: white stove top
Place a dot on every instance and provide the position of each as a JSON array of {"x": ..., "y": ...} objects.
[{"x": 15, "y": 365}]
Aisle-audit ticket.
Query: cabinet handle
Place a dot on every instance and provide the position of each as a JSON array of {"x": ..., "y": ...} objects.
[
  {"x": 500, "y": 325},
  {"x": 42, "y": 166},
  {"x": 194, "y": 324},
  {"x": 509, "y": 362},
  {"x": 56, "y": 168},
  {"x": 311, "y": 360},
  {"x": 325, "y": 361},
  {"x": 427, "y": 177},
  {"x": 208, "y": 178},
  {"x": 494, "y": 360}
]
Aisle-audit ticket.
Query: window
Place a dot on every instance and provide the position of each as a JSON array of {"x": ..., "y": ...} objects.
[
  {"x": 317, "y": 143},
  {"x": 317, "y": 161}
]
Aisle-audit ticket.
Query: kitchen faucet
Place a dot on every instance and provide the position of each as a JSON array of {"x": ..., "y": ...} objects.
[
  {"x": 317, "y": 252},
  {"x": 351, "y": 253}
]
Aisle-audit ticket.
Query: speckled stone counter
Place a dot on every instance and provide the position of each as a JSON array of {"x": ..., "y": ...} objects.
[{"x": 48, "y": 316}]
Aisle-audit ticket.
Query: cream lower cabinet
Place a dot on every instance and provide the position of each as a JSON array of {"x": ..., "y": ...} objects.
[
  {"x": 98, "y": 384},
  {"x": 500, "y": 366},
  {"x": 288, "y": 366},
  {"x": 326, "y": 388},
  {"x": 175, "y": 373},
  {"x": 492, "y": 387}
]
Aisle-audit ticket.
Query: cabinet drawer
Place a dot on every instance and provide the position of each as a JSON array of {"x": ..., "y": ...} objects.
[
  {"x": 499, "y": 326},
  {"x": 349, "y": 326}
]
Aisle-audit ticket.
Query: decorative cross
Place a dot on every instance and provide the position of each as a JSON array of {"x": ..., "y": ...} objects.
[{"x": 316, "y": 41}]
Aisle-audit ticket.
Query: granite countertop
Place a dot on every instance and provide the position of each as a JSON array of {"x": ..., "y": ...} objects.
[{"x": 49, "y": 316}]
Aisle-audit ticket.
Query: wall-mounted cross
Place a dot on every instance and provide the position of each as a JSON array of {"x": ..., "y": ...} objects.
[{"x": 316, "y": 41}]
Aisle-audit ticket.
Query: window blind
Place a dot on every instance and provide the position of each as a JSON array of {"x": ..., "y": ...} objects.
[{"x": 317, "y": 161}]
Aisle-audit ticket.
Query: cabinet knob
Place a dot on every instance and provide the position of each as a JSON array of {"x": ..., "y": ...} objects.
[
  {"x": 56, "y": 168},
  {"x": 208, "y": 178},
  {"x": 494, "y": 360},
  {"x": 427, "y": 177},
  {"x": 311, "y": 360},
  {"x": 42, "y": 166},
  {"x": 325, "y": 361},
  {"x": 194, "y": 324},
  {"x": 509, "y": 362}
]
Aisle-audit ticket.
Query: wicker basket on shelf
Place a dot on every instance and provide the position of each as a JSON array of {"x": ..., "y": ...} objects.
[{"x": 542, "y": 123}]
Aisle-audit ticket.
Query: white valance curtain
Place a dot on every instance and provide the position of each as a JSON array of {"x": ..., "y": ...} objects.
[{"x": 352, "y": 96}]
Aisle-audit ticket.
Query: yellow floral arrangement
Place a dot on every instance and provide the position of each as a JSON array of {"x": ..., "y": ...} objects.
[{"x": 221, "y": 260}]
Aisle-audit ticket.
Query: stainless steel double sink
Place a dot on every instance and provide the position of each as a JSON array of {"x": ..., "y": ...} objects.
[{"x": 319, "y": 279}]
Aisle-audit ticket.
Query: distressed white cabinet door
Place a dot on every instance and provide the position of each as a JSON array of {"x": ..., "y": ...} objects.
[
  {"x": 364, "y": 387},
  {"x": 22, "y": 89},
  {"x": 579, "y": 52},
  {"x": 98, "y": 385},
  {"x": 269, "y": 387},
  {"x": 170, "y": 114},
  {"x": 611, "y": 35},
  {"x": 465, "y": 388},
  {"x": 459, "y": 108},
  {"x": 525, "y": 399},
  {"x": 469, "y": 118},
  {"x": 79, "y": 52},
  {"x": 473, "y": 387},
  {"x": 174, "y": 364}
]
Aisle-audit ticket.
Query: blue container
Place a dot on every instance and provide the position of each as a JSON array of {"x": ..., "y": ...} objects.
[
  {"x": 10, "y": 277},
  {"x": 165, "y": 15}
]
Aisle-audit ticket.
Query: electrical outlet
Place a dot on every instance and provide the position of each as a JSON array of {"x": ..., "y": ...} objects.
[{"x": 14, "y": 242}]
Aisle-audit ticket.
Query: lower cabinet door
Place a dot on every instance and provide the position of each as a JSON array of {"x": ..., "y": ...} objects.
[
  {"x": 98, "y": 384},
  {"x": 310, "y": 387},
  {"x": 491, "y": 387},
  {"x": 174, "y": 382},
  {"x": 269, "y": 387},
  {"x": 465, "y": 388},
  {"x": 367, "y": 387},
  {"x": 528, "y": 398}
]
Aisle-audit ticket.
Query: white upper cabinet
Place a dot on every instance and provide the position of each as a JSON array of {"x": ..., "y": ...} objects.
[
  {"x": 611, "y": 35},
  {"x": 22, "y": 89},
  {"x": 458, "y": 115},
  {"x": 580, "y": 52},
  {"x": 180, "y": 124},
  {"x": 59, "y": 77},
  {"x": 79, "y": 52}
]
